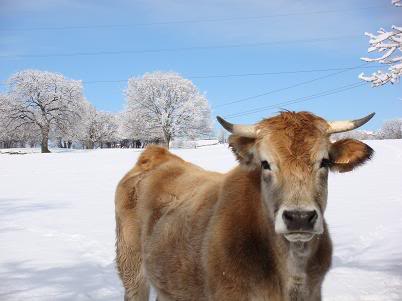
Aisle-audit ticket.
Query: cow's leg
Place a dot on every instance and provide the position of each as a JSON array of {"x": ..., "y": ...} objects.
[
  {"x": 128, "y": 243},
  {"x": 129, "y": 264},
  {"x": 128, "y": 225}
]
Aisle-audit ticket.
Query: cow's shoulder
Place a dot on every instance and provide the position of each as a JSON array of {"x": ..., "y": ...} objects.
[{"x": 153, "y": 156}]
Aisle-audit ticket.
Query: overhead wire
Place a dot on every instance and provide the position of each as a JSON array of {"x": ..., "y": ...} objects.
[
  {"x": 288, "y": 87},
  {"x": 212, "y": 76},
  {"x": 298, "y": 100},
  {"x": 234, "y": 75},
  {"x": 177, "y": 49},
  {"x": 175, "y": 22}
]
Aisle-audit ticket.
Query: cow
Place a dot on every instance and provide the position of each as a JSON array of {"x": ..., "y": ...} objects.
[{"x": 256, "y": 232}]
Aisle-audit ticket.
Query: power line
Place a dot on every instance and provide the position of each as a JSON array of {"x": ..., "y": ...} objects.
[
  {"x": 192, "y": 48},
  {"x": 231, "y": 75},
  {"x": 300, "y": 99},
  {"x": 242, "y": 74},
  {"x": 287, "y": 87},
  {"x": 175, "y": 22}
]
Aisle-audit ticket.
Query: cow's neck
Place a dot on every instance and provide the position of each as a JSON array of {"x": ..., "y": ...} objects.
[
  {"x": 294, "y": 259},
  {"x": 298, "y": 254}
]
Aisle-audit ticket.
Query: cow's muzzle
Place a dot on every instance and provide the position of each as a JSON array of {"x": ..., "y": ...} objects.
[
  {"x": 299, "y": 221},
  {"x": 298, "y": 225}
]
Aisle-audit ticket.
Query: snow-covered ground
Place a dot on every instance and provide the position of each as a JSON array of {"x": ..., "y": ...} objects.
[{"x": 57, "y": 224}]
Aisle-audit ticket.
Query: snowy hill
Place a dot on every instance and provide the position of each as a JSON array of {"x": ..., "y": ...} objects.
[{"x": 57, "y": 224}]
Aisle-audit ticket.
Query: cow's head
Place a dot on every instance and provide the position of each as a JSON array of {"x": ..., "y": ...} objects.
[{"x": 294, "y": 152}]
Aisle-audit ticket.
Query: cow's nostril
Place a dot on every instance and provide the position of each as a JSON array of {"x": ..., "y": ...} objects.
[
  {"x": 313, "y": 217},
  {"x": 288, "y": 215}
]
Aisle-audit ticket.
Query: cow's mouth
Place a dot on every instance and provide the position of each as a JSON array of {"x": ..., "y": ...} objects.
[{"x": 299, "y": 236}]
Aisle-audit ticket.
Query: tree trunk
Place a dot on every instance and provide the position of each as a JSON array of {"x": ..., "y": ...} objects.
[
  {"x": 45, "y": 141},
  {"x": 59, "y": 142}
]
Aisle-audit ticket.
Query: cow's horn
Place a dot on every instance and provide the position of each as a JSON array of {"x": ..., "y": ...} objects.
[
  {"x": 347, "y": 125},
  {"x": 238, "y": 129}
]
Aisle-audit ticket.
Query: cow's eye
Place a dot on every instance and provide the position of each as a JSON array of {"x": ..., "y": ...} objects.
[
  {"x": 265, "y": 165},
  {"x": 325, "y": 163}
]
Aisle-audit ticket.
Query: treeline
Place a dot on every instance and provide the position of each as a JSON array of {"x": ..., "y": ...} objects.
[{"x": 41, "y": 106}]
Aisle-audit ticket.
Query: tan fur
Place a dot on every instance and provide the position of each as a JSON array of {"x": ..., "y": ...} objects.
[
  {"x": 128, "y": 246},
  {"x": 346, "y": 154},
  {"x": 200, "y": 235}
]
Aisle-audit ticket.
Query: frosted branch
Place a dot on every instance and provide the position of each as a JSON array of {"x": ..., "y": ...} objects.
[
  {"x": 389, "y": 44},
  {"x": 397, "y": 3}
]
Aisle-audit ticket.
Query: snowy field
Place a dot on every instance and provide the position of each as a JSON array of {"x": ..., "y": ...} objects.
[{"x": 57, "y": 224}]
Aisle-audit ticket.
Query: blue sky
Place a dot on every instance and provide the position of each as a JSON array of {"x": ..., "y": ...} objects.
[{"x": 258, "y": 36}]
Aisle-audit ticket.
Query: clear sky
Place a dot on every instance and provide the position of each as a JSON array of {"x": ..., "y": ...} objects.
[{"x": 104, "y": 43}]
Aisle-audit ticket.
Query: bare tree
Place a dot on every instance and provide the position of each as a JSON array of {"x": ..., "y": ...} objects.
[
  {"x": 44, "y": 101},
  {"x": 164, "y": 104},
  {"x": 390, "y": 44}
]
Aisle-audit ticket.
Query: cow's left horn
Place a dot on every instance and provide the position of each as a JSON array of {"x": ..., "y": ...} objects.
[
  {"x": 347, "y": 125},
  {"x": 238, "y": 129}
]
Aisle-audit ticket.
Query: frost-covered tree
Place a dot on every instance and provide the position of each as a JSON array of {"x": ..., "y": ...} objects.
[
  {"x": 132, "y": 126},
  {"x": 222, "y": 136},
  {"x": 65, "y": 135},
  {"x": 108, "y": 130},
  {"x": 391, "y": 129},
  {"x": 12, "y": 135},
  {"x": 44, "y": 101},
  {"x": 4, "y": 107},
  {"x": 164, "y": 104},
  {"x": 389, "y": 44},
  {"x": 97, "y": 128}
]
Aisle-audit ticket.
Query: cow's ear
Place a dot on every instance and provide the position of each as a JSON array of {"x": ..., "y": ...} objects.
[
  {"x": 346, "y": 154},
  {"x": 243, "y": 148}
]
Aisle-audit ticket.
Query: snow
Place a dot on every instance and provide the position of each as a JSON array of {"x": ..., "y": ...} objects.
[{"x": 57, "y": 224}]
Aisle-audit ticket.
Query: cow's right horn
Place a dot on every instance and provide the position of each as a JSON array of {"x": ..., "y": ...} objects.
[
  {"x": 347, "y": 125},
  {"x": 248, "y": 131}
]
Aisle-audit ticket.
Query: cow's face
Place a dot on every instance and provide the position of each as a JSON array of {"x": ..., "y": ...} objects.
[{"x": 294, "y": 153}]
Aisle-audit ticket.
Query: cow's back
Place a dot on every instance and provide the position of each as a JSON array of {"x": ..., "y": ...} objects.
[{"x": 176, "y": 200}]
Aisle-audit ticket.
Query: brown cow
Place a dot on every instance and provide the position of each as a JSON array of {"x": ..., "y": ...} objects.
[{"x": 254, "y": 233}]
